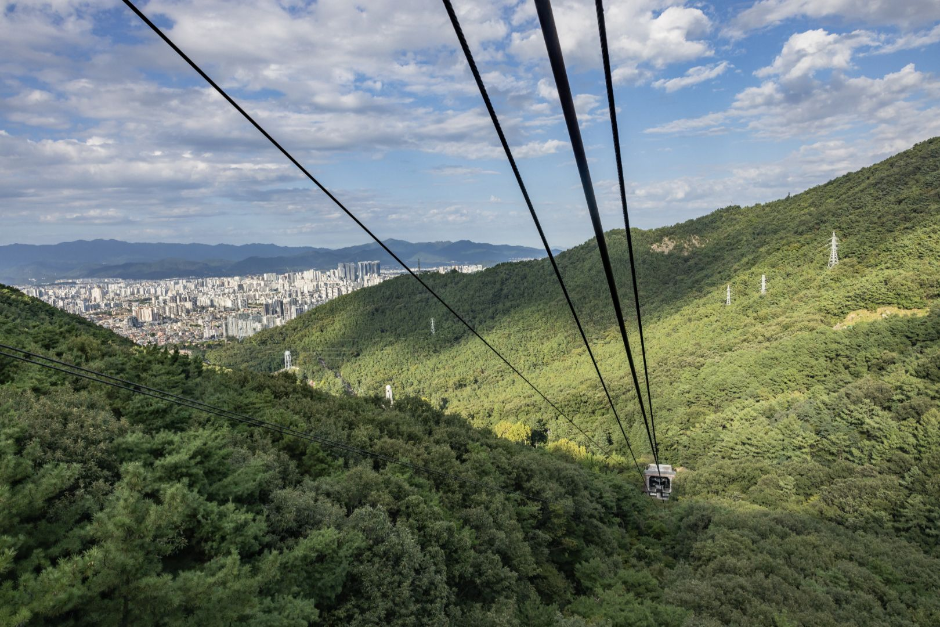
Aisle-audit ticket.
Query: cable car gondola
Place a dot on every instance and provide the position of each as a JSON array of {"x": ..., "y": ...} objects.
[{"x": 659, "y": 481}]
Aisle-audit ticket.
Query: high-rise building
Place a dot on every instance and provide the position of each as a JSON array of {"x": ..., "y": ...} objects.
[
  {"x": 347, "y": 271},
  {"x": 147, "y": 314},
  {"x": 368, "y": 268},
  {"x": 275, "y": 308}
]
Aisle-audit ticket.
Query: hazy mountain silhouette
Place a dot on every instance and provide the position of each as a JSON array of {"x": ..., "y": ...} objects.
[{"x": 20, "y": 263}]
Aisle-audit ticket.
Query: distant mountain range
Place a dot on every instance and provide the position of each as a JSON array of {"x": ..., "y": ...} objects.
[{"x": 22, "y": 263}]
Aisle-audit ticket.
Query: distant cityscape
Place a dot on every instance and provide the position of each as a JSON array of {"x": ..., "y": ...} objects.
[{"x": 184, "y": 311}]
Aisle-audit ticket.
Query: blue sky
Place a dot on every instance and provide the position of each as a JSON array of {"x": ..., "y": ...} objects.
[{"x": 104, "y": 132}]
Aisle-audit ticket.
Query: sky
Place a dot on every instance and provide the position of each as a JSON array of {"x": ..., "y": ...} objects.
[{"x": 106, "y": 133}]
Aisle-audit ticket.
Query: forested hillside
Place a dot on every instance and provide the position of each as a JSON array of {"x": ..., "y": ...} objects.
[
  {"x": 887, "y": 218},
  {"x": 117, "y": 509},
  {"x": 821, "y": 397}
]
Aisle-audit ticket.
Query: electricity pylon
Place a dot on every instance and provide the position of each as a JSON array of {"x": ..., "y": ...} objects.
[{"x": 833, "y": 250}]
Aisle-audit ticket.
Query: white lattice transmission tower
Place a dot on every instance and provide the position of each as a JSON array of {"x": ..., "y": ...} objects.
[
  {"x": 287, "y": 360},
  {"x": 728, "y": 295},
  {"x": 763, "y": 284},
  {"x": 833, "y": 250},
  {"x": 432, "y": 326}
]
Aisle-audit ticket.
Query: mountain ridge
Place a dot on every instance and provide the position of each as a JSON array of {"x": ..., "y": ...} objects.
[{"x": 129, "y": 260}]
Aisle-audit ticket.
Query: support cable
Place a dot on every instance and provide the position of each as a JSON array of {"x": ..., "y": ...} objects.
[
  {"x": 535, "y": 218},
  {"x": 168, "y": 397},
  {"x": 550, "y": 33},
  {"x": 602, "y": 27},
  {"x": 349, "y": 213}
]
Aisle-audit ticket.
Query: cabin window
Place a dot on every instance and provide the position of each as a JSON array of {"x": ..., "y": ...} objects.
[{"x": 658, "y": 484}]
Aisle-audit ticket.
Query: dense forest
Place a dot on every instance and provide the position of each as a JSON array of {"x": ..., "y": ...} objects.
[
  {"x": 806, "y": 423},
  {"x": 119, "y": 509}
]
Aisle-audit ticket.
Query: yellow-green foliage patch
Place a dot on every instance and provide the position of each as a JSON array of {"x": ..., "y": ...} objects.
[{"x": 867, "y": 315}]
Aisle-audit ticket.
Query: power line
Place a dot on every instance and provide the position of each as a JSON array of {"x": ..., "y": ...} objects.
[
  {"x": 608, "y": 79},
  {"x": 535, "y": 218},
  {"x": 550, "y": 33},
  {"x": 349, "y": 213},
  {"x": 168, "y": 397}
]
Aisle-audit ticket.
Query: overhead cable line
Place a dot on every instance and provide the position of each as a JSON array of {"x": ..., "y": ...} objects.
[
  {"x": 349, "y": 213},
  {"x": 162, "y": 395},
  {"x": 525, "y": 194},
  {"x": 602, "y": 28},
  {"x": 550, "y": 33}
]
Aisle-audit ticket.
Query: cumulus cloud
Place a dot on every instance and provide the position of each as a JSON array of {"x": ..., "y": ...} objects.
[
  {"x": 745, "y": 183},
  {"x": 806, "y": 53},
  {"x": 316, "y": 73},
  {"x": 537, "y": 148},
  {"x": 693, "y": 76},
  {"x": 101, "y": 123},
  {"x": 908, "y": 41},
  {"x": 770, "y": 110},
  {"x": 907, "y": 14},
  {"x": 644, "y": 36},
  {"x": 791, "y": 102},
  {"x": 547, "y": 90}
]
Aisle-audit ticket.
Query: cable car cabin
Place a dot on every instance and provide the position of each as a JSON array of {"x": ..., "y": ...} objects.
[{"x": 659, "y": 482}]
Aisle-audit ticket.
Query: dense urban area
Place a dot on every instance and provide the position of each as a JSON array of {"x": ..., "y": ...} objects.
[{"x": 187, "y": 310}]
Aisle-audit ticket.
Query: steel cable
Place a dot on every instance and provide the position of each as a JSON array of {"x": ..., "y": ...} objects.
[{"x": 525, "y": 194}]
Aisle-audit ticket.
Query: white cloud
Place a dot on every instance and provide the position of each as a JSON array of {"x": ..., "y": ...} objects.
[
  {"x": 693, "y": 76},
  {"x": 745, "y": 183},
  {"x": 643, "y": 36},
  {"x": 584, "y": 104},
  {"x": 459, "y": 170},
  {"x": 920, "y": 39},
  {"x": 536, "y": 148},
  {"x": 336, "y": 84},
  {"x": 709, "y": 123},
  {"x": 794, "y": 105},
  {"x": 547, "y": 90},
  {"x": 91, "y": 216},
  {"x": 805, "y": 53},
  {"x": 905, "y": 13}
]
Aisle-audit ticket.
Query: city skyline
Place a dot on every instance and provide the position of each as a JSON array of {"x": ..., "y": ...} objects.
[
  {"x": 194, "y": 310},
  {"x": 105, "y": 133}
]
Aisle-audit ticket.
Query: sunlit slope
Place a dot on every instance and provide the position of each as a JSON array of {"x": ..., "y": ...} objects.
[{"x": 886, "y": 217}]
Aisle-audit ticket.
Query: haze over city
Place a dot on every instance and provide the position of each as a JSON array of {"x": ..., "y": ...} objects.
[{"x": 104, "y": 132}]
